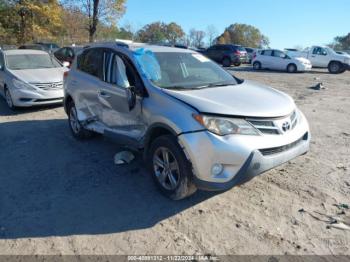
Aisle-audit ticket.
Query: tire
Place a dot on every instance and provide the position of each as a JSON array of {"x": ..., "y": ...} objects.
[
  {"x": 170, "y": 169},
  {"x": 237, "y": 64},
  {"x": 8, "y": 99},
  {"x": 78, "y": 131},
  {"x": 226, "y": 62},
  {"x": 257, "y": 66},
  {"x": 292, "y": 68},
  {"x": 335, "y": 67}
]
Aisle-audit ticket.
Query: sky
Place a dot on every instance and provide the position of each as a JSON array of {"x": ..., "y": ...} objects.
[{"x": 287, "y": 23}]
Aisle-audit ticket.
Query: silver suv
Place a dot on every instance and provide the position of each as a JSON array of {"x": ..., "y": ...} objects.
[{"x": 198, "y": 126}]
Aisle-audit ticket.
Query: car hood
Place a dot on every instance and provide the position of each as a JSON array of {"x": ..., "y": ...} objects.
[
  {"x": 42, "y": 75},
  {"x": 302, "y": 60},
  {"x": 248, "y": 99}
]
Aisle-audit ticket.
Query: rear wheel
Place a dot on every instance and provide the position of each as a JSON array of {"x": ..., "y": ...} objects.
[
  {"x": 76, "y": 127},
  {"x": 171, "y": 170},
  {"x": 335, "y": 67},
  {"x": 9, "y": 100},
  {"x": 292, "y": 68},
  {"x": 257, "y": 65},
  {"x": 226, "y": 62},
  {"x": 237, "y": 64}
]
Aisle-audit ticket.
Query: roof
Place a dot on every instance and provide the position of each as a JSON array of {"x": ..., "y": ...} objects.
[
  {"x": 134, "y": 46},
  {"x": 24, "y": 52}
]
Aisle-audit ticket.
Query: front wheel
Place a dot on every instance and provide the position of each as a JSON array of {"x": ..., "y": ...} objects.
[
  {"x": 292, "y": 68},
  {"x": 76, "y": 127},
  {"x": 171, "y": 170},
  {"x": 9, "y": 100}
]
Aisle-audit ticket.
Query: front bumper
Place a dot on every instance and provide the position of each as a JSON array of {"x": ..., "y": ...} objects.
[
  {"x": 27, "y": 98},
  {"x": 304, "y": 67},
  {"x": 242, "y": 157}
]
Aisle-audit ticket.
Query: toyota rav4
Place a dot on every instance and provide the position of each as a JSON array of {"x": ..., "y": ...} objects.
[{"x": 199, "y": 127}]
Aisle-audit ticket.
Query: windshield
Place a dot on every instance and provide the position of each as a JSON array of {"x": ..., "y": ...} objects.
[
  {"x": 31, "y": 61},
  {"x": 176, "y": 70}
]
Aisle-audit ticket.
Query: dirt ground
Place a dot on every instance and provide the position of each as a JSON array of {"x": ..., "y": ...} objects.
[{"x": 60, "y": 196}]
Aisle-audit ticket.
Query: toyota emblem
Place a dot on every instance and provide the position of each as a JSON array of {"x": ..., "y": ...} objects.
[{"x": 286, "y": 126}]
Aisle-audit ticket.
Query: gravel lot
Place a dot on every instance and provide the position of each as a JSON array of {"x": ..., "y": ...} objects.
[{"x": 61, "y": 196}]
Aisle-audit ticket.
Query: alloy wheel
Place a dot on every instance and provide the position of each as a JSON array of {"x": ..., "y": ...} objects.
[
  {"x": 8, "y": 99},
  {"x": 166, "y": 168},
  {"x": 73, "y": 120}
]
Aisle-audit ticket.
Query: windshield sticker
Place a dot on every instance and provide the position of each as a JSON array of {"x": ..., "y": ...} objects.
[
  {"x": 201, "y": 58},
  {"x": 148, "y": 63}
]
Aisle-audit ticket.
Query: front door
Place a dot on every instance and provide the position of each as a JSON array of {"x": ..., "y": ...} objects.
[
  {"x": 319, "y": 57},
  {"x": 118, "y": 76}
]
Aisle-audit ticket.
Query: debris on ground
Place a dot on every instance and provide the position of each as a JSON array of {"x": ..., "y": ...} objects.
[
  {"x": 339, "y": 222},
  {"x": 342, "y": 206},
  {"x": 319, "y": 86},
  {"x": 123, "y": 157}
]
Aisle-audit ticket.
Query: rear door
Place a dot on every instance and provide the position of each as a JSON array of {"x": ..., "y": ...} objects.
[
  {"x": 85, "y": 83},
  {"x": 266, "y": 58},
  {"x": 119, "y": 75}
]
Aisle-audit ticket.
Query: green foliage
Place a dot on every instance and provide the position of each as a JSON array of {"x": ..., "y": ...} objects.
[
  {"x": 245, "y": 35},
  {"x": 342, "y": 42},
  {"x": 160, "y": 32}
]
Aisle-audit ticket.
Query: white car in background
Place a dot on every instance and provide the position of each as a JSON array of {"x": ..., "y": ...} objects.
[
  {"x": 324, "y": 57},
  {"x": 278, "y": 60},
  {"x": 30, "y": 77}
]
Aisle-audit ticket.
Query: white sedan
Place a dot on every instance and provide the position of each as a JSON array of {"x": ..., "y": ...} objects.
[
  {"x": 279, "y": 60},
  {"x": 30, "y": 77}
]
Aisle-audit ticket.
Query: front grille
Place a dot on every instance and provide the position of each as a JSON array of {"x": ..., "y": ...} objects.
[
  {"x": 265, "y": 126},
  {"x": 49, "y": 86},
  {"x": 274, "y": 126},
  {"x": 280, "y": 149}
]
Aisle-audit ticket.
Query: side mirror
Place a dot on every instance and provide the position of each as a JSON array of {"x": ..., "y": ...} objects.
[
  {"x": 131, "y": 96},
  {"x": 66, "y": 64}
]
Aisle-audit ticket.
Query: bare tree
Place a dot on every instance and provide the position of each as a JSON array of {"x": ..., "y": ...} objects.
[
  {"x": 212, "y": 33},
  {"x": 196, "y": 37},
  {"x": 107, "y": 11}
]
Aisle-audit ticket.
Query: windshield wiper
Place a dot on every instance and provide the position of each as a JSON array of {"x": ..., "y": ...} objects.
[{"x": 215, "y": 85}]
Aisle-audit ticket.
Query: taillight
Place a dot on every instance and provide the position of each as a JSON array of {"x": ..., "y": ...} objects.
[
  {"x": 65, "y": 74},
  {"x": 237, "y": 52},
  {"x": 254, "y": 55}
]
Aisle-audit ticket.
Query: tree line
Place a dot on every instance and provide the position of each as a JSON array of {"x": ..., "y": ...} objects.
[{"x": 83, "y": 21}]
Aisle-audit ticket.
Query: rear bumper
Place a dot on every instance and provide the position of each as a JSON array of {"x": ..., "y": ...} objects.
[{"x": 346, "y": 66}]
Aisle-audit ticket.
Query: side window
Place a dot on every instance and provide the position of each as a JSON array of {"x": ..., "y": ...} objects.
[
  {"x": 279, "y": 54},
  {"x": 319, "y": 51},
  {"x": 2, "y": 61},
  {"x": 91, "y": 62},
  {"x": 267, "y": 53},
  {"x": 117, "y": 71},
  {"x": 69, "y": 52}
]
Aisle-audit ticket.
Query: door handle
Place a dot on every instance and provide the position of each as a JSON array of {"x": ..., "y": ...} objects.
[{"x": 104, "y": 95}]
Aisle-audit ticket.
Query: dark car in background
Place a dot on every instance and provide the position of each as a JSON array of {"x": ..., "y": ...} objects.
[
  {"x": 67, "y": 53},
  {"x": 52, "y": 47},
  {"x": 33, "y": 47},
  {"x": 250, "y": 53},
  {"x": 227, "y": 55}
]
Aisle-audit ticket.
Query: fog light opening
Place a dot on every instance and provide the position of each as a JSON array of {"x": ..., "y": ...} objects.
[{"x": 217, "y": 169}]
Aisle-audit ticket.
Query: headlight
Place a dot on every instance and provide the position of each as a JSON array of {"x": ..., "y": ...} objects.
[
  {"x": 226, "y": 126},
  {"x": 21, "y": 85}
]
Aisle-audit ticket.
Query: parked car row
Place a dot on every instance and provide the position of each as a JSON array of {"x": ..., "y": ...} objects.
[{"x": 199, "y": 127}]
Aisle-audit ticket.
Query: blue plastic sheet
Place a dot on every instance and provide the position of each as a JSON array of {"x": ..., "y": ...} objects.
[{"x": 148, "y": 63}]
